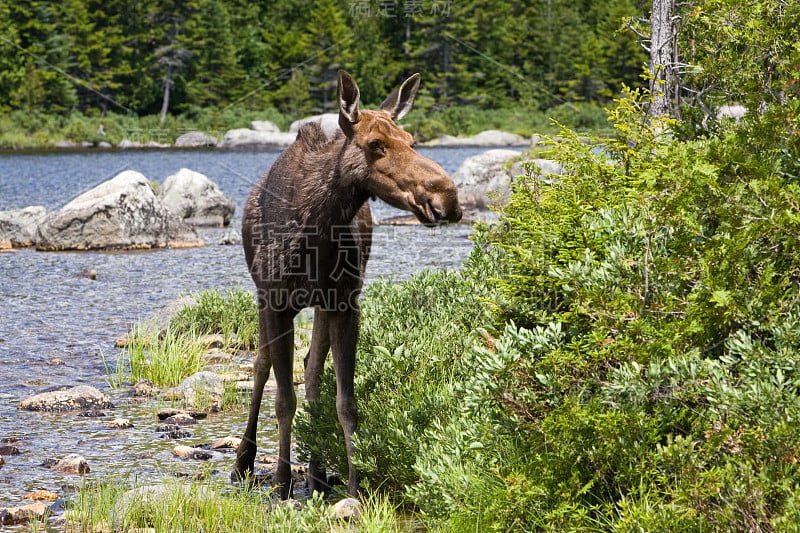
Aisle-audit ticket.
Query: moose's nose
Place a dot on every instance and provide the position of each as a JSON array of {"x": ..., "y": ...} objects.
[{"x": 445, "y": 209}]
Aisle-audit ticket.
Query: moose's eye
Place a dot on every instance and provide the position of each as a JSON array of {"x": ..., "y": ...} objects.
[{"x": 374, "y": 145}]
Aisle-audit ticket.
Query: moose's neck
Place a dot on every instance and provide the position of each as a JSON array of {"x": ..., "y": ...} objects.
[{"x": 340, "y": 193}]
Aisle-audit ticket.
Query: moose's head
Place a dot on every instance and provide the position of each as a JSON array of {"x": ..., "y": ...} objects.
[{"x": 384, "y": 152}]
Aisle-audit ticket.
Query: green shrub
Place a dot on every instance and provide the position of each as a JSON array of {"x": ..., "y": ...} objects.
[
  {"x": 654, "y": 383},
  {"x": 412, "y": 336}
]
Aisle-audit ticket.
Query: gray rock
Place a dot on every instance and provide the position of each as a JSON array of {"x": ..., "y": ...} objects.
[
  {"x": 127, "y": 143},
  {"x": 121, "y": 213},
  {"x": 80, "y": 398},
  {"x": 226, "y": 443},
  {"x": 166, "y": 412},
  {"x": 481, "y": 174},
  {"x": 105, "y": 145},
  {"x": 181, "y": 420},
  {"x": 244, "y": 138},
  {"x": 329, "y": 122},
  {"x": 66, "y": 144},
  {"x": 18, "y": 226},
  {"x": 70, "y": 464},
  {"x": 202, "y": 390},
  {"x": 196, "y": 199},
  {"x": 231, "y": 237},
  {"x": 119, "y": 423},
  {"x": 264, "y": 125},
  {"x": 484, "y": 138},
  {"x": 144, "y": 389},
  {"x": 191, "y": 453},
  {"x": 490, "y": 172},
  {"x": 156, "y": 144},
  {"x": 87, "y": 144},
  {"x": 346, "y": 509},
  {"x": 23, "y": 514},
  {"x": 195, "y": 139}
]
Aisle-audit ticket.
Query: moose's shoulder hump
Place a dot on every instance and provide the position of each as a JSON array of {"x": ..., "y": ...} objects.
[{"x": 312, "y": 136}]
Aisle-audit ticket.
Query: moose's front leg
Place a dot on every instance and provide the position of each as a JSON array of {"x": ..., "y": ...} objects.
[
  {"x": 280, "y": 331},
  {"x": 246, "y": 452},
  {"x": 344, "y": 338},
  {"x": 317, "y": 479}
]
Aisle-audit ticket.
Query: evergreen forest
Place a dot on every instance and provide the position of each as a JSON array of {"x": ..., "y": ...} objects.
[{"x": 183, "y": 57}]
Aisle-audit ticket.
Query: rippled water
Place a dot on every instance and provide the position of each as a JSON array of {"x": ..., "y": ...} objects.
[{"x": 48, "y": 311}]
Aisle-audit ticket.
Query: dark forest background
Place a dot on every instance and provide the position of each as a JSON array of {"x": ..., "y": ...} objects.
[{"x": 122, "y": 55}]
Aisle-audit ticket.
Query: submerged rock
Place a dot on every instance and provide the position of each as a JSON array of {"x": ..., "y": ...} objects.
[
  {"x": 231, "y": 237},
  {"x": 82, "y": 397},
  {"x": 70, "y": 464},
  {"x": 192, "y": 453},
  {"x": 196, "y": 199},
  {"x": 144, "y": 389},
  {"x": 121, "y": 213},
  {"x": 180, "y": 419},
  {"x": 22, "y": 514},
  {"x": 119, "y": 423},
  {"x": 226, "y": 442}
]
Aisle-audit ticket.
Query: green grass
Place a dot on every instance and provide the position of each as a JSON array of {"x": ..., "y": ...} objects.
[
  {"x": 215, "y": 505},
  {"x": 233, "y": 314}
]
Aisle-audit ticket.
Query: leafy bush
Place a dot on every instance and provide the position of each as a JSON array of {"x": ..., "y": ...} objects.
[
  {"x": 412, "y": 336},
  {"x": 654, "y": 382}
]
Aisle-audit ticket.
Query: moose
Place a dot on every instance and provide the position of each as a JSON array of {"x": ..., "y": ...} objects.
[{"x": 306, "y": 232}]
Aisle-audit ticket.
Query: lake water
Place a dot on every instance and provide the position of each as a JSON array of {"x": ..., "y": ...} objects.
[{"x": 47, "y": 311}]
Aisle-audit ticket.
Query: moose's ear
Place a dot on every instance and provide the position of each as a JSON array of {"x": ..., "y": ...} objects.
[
  {"x": 347, "y": 94},
  {"x": 399, "y": 103}
]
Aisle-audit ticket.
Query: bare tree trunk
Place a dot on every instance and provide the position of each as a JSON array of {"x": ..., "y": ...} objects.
[
  {"x": 661, "y": 58},
  {"x": 165, "y": 101}
]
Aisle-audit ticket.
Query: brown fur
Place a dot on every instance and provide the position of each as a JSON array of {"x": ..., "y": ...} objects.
[{"x": 307, "y": 233}]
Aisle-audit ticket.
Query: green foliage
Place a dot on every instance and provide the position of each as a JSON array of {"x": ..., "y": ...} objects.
[
  {"x": 412, "y": 335},
  {"x": 212, "y": 505},
  {"x": 122, "y": 55},
  {"x": 165, "y": 361},
  {"x": 233, "y": 315},
  {"x": 654, "y": 383}
]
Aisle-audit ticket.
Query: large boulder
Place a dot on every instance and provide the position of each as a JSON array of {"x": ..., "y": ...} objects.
[
  {"x": 264, "y": 125},
  {"x": 484, "y": 138},
  {"x": 247, "y": 138},
  {"x": 196, "y": 199},
  {"x": 481, "y": 177},
  {"x": 329, "y": 122},
  {"x": 18, "y": 226},
  {"x": 121, "y": 213},
  {"x": 82, "y": 397},
  {"x": 195, "y": 139}
]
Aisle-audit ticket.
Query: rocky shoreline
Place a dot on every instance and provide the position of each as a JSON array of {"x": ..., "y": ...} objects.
[
  {"x": 265, "y": 135},
  {"x": 175, "y": 413},
  {"x": 130, "y": 212}
]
